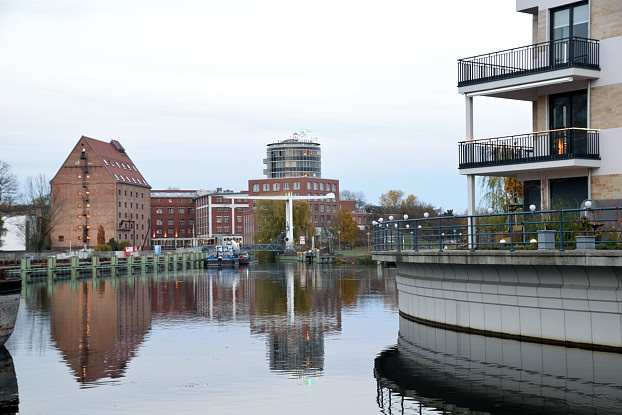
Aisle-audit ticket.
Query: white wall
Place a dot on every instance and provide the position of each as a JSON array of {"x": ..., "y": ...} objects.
[{"x": 14, "y": 238}]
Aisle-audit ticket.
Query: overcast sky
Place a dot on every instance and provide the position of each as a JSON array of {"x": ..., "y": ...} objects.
[{"x": 194, "y": 89}]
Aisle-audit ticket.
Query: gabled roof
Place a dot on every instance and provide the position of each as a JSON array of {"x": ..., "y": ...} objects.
[{"x": 114, "y": 159}]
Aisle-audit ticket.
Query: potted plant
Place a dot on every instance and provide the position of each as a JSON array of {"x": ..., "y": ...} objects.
[
  {"x": 585, "y": 237},
  {"x": 546, "y": 237}
]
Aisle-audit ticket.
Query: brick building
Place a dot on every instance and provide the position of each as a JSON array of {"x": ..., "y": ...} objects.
[
  {"x": 323, "y": 212},
  {"x": 173, "y": 214},
  {"x": 223, "y": 215},
  {"x": 98, "y": 186}
]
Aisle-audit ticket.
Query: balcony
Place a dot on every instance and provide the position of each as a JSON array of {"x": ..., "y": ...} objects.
[
  {"x": 563, "y": 148},
  {"x": 558, "y": 56}
]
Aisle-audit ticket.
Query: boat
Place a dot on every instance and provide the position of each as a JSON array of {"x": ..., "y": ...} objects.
[
  {"x": 9, "y": 394},
  {"x": 226, "y": 255},
  {"x": 10, "y": 289}
]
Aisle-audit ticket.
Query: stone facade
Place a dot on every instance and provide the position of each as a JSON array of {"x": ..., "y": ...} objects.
[
  {"x": 607, "y": 187},
  {"x": 98, "y": 186},
  {"x": 606, "y": 106},
  {"x": 606, "y": 19}
]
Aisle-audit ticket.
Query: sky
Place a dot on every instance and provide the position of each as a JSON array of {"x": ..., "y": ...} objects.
[{"x": 195, "y": 89}]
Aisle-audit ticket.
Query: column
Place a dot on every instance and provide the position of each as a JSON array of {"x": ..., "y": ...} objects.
[
  {"x": 232, "y": 216},
  {"x": 209, "y": 215},
  {"x": 470, "y": 177},
  {"x": 289, "y": 223}
]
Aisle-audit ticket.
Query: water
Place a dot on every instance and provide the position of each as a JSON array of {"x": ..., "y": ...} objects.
[{"x": 275, "y": 340}]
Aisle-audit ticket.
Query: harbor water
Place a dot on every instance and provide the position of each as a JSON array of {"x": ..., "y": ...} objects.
[{"x": 278, "y": 339}]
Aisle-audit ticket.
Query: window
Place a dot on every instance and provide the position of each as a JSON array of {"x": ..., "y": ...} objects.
[
  {"x": 182, "y": 222},
  {"x": 314, "y": 185},
  {"x": 266, "y": 187},
  {"x": 333, "y": 187},
  {"x": 158, "y": 211},
  {"x": 308, "y": 185},
  {"x": 170, "y": 222},
  {"x": 275, "y": 187},
  {"x": 119, "y": 204},
  {"x": 286, "y": 186},
  {"x": 171, "y": 232},
  {"x": 158, "y": 231},
  {"x": 125, "y": 204},
  {"x": 119, "y": 192},
  {"x": 255, "y": 188},
  {"x": 158, "y": 222},
  {"x": 296, "y": 185},
  {"x": 321, "y": 185},
  {"x": 61, "y": 238},
  {"x": 190, "y": 222},
  {"x": 171, "y": 211},
  {"x": 226, "y": 219},
  {"x": 181, "y": 211}
]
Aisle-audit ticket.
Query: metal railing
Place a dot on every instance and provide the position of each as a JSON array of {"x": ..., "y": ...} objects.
[
  {"x": 566, "y": 229},
  {"x": 525, "y": 60},
  {"x": 561, "y": 144}
]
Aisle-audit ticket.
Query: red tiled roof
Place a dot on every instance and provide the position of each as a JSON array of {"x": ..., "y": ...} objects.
[{"x": 116, "y": 161}]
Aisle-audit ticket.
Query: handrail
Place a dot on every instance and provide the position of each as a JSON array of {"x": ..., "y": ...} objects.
[
  {"x": 539, "y": 57},
  {"x": 475, "y": 140},
  {"x": 547, "y": 42},
  {"x": 574, "y": 228}
]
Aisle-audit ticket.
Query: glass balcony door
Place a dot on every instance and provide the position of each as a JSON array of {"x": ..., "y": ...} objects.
[
  {"x": 568, "y": 111},
  {"x": 567, "y": 23}
]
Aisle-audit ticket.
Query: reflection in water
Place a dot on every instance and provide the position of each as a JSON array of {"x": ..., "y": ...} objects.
[
  {"x": 99, "y": 325},
  {"x": 9, "y": 396},
  {"x": 464, "y": 373}
]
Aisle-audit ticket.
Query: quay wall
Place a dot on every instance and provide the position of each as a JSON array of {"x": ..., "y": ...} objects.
[{"x": 545, "y": 299}]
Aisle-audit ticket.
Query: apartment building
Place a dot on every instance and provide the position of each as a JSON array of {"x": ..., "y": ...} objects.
[
  {"x": 98, "y": 187},
  {"x": 572, "y": 75}
]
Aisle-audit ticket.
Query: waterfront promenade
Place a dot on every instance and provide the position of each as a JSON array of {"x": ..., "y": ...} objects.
[{"x": 525, "y": 290}]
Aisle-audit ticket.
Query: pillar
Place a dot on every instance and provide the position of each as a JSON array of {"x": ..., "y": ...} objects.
[
  {"x": 289, "y": 223},
  {"x": 470, "y": 178}
]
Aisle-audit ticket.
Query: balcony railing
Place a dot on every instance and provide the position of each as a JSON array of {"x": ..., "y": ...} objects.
[
  {"x": 563, "y": 144},
  {"x": 526, "y": 60}
]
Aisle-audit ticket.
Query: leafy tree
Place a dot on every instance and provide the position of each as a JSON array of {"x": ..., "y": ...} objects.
[
  {"x": 496, "y": 190},
  {"x": 346, "y": 226},
  {"x": 391, "y": 199},
  {"x": 101, "y": 235},
  {"x": 270, "y": 220}
]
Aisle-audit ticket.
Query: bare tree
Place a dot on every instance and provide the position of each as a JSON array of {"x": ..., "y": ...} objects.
[
  {"x": 38, "y": 198},
  {"x": 358, "y": 197},
  {"x": 8, "y": 184}
]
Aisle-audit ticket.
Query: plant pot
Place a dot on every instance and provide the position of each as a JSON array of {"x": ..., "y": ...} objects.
[
  {"x": 586, "y": 242},
  {"x": 546, "y": 240}
]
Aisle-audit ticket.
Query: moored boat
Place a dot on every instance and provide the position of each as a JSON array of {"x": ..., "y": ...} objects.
[{"x": 10, "y": 289}]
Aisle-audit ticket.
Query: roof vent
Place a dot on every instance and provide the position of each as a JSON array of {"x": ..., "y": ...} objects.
[{"x": 117, "y": 146}]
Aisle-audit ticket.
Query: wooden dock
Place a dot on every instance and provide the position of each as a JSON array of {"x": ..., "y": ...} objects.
[{"x": 75, "y": 267}]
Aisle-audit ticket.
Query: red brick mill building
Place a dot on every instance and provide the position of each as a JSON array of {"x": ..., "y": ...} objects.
[
  {"x": 173, "y": 213},
  {"x": 98, "y": 186}
]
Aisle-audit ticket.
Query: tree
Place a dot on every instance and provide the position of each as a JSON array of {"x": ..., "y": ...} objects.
[
  {"x": 270, "y": 220},
  {"x": 38, "y": 198},
  {"x": 357, "y": 197},
  {"x": 346, "y": 227},
  {"x": 8, "y": 184},
  {"x": 101, "y": 235},
  {"x": 496, "y": 190},
  {"x": 391, "y": 199}
]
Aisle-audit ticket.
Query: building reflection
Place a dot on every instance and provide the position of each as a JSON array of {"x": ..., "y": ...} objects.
[
  {"x": 9, "y": 394},
  {"x": 99, "y": 325},
  {"x": 436, "y": 369}
]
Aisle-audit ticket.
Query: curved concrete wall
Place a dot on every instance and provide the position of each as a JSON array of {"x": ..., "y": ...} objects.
[
  {"x": 476, "y": 374},
  {"x": 579, "y": 306}
]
